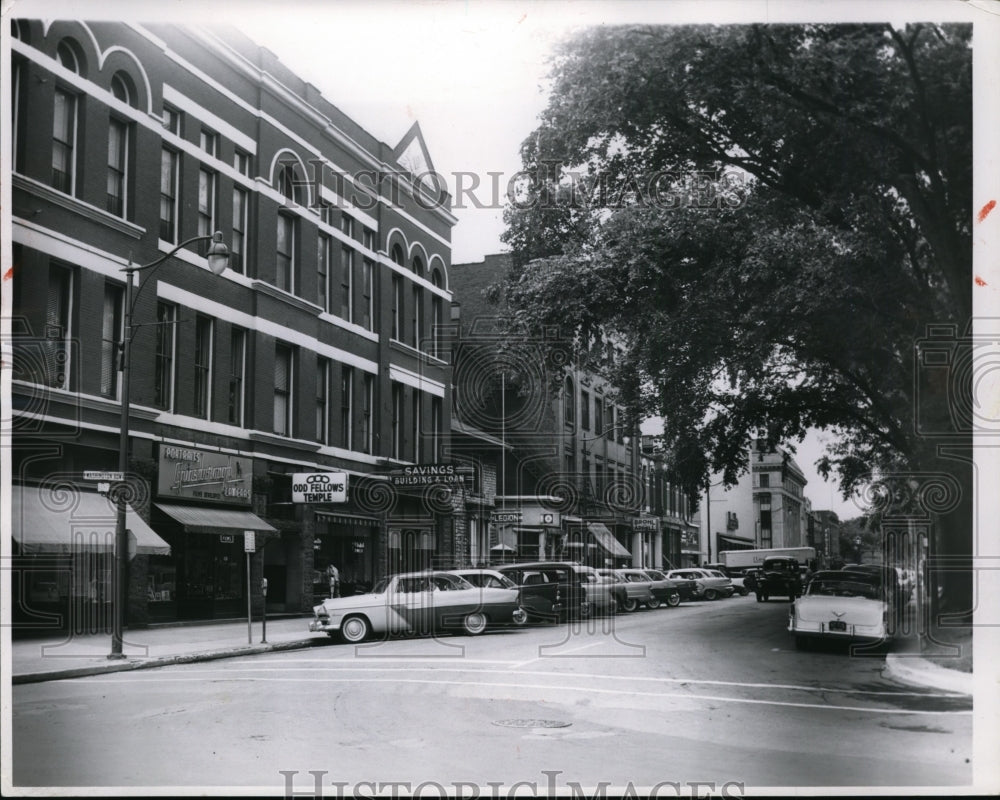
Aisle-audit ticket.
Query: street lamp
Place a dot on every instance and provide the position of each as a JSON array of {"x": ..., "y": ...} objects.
[{"x": 218, "y": 260}]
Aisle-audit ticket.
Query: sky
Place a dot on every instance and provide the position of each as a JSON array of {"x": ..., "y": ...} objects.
[{"x": 473, "y": 74}]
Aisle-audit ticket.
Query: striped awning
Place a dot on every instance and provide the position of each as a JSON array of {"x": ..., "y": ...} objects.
[
  {"x": 198, "y": 519},
  {"x": 606, "y": 539},
  {"x": 65, "y": 520}
]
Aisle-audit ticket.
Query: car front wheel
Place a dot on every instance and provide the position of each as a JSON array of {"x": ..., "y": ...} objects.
[
  {"x": 674, "y": 600},
  {"x": 653, "y": 603},
  {"x": 474, "y": 624},
  {"x": 354, "y": 630},
  {"x": 630, "y": 604},
  {"x": 711, "y": 594}
]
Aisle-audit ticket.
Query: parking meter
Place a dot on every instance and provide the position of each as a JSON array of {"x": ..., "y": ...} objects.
[{"x": 263, "y": 591}]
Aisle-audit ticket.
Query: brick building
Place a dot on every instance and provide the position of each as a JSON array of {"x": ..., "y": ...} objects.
[
  {"x": 576, "y": 484},
  {"x": 317, "y": 351}
]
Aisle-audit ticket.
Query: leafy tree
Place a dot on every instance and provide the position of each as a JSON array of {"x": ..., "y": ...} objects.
[{"x": 762, "y": 221}]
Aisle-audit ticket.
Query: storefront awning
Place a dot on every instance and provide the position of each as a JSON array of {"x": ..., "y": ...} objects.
[
  {"x": 66, "y": 521},
  {"x": 735, "y": 542},
  {"x": 347, "y": 519},
  {"x": 606, "y": 539},
  {"x": 198, "y": 519}
]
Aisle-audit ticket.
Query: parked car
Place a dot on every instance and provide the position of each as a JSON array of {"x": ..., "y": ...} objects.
[
  {"x": 490, "y": 579},
  {"x": 712, "y": 586},
  {"x": 892, "y": 577},
  {"x": 840, "y": 605},
  {"x": 735, "y": 575},
  {"x": 598, "y": 590},
  {"x": 417, "y": 602},
  {"x": 660, "y": 591},
  {"x": 690, "y": 587},
  {"x": 779, "y": 577},
  {"x": 628, "y": 594},
  {"x": 670, "y": 590},
  {"x": 550, "y": 590}
]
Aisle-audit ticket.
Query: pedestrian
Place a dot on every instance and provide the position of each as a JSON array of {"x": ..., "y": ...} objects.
[{"x": 334, "y": 575}]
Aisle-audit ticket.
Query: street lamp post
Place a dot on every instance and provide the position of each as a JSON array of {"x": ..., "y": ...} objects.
[{"x": 218, "y": 260}]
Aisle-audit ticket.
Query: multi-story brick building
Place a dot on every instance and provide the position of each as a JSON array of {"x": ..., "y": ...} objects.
[
  {"x": 572, "y": 485},
  {"x": 317, "y": 351}
]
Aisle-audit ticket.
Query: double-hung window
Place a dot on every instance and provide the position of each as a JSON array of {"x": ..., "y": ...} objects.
[
  {"x": 169, "y": 162},
  {"x": 58, "y": 332},
  {"x": 346, "y": 406},
  {"x": 283, "y": 385},
  {"x": 237, "y": 372},
  {"x": 203, "y": 329},
  {"x": 322, "y": 400},
  {"x": 206, "y": 202},
  {"x": 285, "y": 260},
  {"x": 397, "y": 420},
  {"x": 418, "y": 315},
  {"x": 111, "y": 339},
  {"x": 323, "y": 248},
  {"x": 64, "y": 141},
  {"x": 238, "y": 245},
  {"x": 367, "y": 409},
  {"x": 163, "y": 378},
  {"x": 397, "y": 307},
  {"x": 346, "y": 281},
  {"x": 118, "y": 144},
  {"x": 367, "y": 298}
]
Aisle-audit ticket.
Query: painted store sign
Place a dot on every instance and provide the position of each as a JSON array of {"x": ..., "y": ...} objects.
[{"x": 206, "y": 475}]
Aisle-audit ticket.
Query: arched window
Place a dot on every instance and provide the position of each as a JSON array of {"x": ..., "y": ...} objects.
[
  {"x": 397, "y": 295},
  {"x": 64, "y": 124},
  {"x": 67, "y": 55},
  {"x": 19, "y": 30},
  {"x": 289, "y": 183},
  {"x": 417, "y": 266},
  {"x": 123, "y": 89}
]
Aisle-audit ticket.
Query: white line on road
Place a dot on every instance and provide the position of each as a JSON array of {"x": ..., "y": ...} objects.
[
  {"x": 519, "y": 664},
  {"x": 127, "y": 678},
  {"x": 598, "y": 676}
]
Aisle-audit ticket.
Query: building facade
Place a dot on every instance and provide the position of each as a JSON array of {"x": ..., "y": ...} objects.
[
  {"x": 575, "y": 483},
  {"x": 766, "y": 508},
  {"x": 316, "y": 353}
]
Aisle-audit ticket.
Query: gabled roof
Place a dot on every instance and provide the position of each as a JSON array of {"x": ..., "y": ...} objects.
[{"x": 411, "y": 154}]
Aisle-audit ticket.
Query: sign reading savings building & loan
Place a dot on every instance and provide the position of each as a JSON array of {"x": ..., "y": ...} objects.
[{"x": 431, "y": 475}]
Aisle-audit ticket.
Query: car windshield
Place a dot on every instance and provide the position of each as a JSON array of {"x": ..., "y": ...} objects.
[
  {"x": 379, "y": 588},
  {"x": 836, "y": 587}
]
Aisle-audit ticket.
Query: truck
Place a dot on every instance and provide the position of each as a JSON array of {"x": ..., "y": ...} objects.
[{"x": 746, "y": 559}]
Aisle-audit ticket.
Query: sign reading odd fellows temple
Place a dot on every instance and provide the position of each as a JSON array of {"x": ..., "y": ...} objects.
[{"x": 205, "y": 475}]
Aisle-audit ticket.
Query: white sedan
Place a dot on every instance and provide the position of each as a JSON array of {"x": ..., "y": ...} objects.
[
  {"x": 417, "y": 602},
  {"x": 840, "y": 605}
]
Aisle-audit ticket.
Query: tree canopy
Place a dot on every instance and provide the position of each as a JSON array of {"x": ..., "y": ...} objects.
[{"x": 763, "y": 220}]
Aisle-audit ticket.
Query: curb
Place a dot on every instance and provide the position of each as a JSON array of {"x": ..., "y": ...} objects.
[
  {"x": 921, "y": 672},
  {"x": 162, "y": 661}
]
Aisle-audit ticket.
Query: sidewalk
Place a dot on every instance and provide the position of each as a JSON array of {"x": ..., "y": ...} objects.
[
  {"x": 58, "y": 657},
  {"x": 921, "y": 663}
]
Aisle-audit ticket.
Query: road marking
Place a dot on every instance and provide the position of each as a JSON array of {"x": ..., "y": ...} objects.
[
  {"x": 519, "y": 664},
  {"x": 597, "y": 676},
  {"x": 128, "y": 678}
]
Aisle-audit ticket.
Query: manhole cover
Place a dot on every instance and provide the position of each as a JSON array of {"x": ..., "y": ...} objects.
[{"x": 532, "y": 723}]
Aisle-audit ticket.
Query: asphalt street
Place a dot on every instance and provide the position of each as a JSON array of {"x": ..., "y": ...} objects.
[{"x": 706, "y": 692}]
